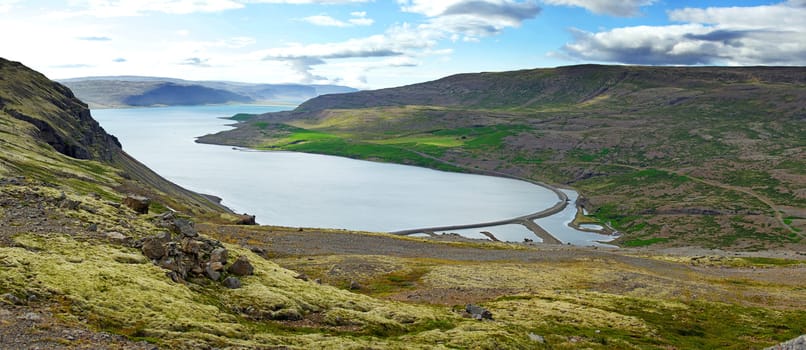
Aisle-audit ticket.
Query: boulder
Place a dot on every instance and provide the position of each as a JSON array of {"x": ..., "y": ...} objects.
[
  {"x": 245, "y": 219},
  {"x": 478, "y": 312},
  {"x": 232, "y": 282},
  {"x": 355, "y": 285},
  {"x": 241, "y": 267},
  {"x": 185, "y": 228},
  {"x": 211, "y": 272},
  {"x": 154, "y": 246},
  {"x": 137, "y": 203},
  {"x": 798, "y": 343}
]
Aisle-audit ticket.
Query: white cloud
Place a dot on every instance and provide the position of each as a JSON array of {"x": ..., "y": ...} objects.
[
  {"x": 471, "y": 18},
  {"x": 468, "y": 20},
  {"x": 619, "y": 8},
  {"x": 359, "y": 19},
  {"x": 756, "y": 35},
  {"x": 126, "y": 8},
  {"x": 7, "y": 5}
]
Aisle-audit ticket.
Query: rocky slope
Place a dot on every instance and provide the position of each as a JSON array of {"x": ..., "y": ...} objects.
[{"x": 673, "y": 156}]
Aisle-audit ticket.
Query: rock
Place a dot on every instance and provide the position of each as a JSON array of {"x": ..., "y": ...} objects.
[
  {"x": 211, "y": 272},
  {"x": 259, "y": 251},
  {"x": 245, "y": 219},
  {"x": 219, "y": 255},
  {"x": 31, "y": 316},
  {"x": 798, "y": 343},
  {"x": 478, "y": 312},
  {"x": 154, "y": 246},
  {"x": 117, "y": 236},
  {"x": 232, "y": 282},
  {"x": 70, "y": 204},
  {"x": 137, "y": 203},
  {"x": 216, "y": 266},
  {"x": 92, "y": 227},
  {"x": 11, "y": 298},
  {"x": 241, "y": 267},
  {"x": 301, "y": 276},
  {"x": 354, "y": 285},
  {"x": 174, "y": 276},
  {"x": 318, "y": 281},
  {"x": 537, "y": 338},
  {"x": 192, "y": 246},
  {"x": 185, "y": 228}
]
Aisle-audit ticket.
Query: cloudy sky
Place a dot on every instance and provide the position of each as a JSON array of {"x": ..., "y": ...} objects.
[{"x": 382, "y": 43}]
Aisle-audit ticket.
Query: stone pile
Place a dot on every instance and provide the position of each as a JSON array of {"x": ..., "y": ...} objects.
[{"x": 187, "y": 255}]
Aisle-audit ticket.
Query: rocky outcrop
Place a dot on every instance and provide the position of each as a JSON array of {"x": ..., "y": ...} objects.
[
  {"x": 478, "y": 312},
  {"x": 137, "y": 203},
  {"x": 246, "y": 219},
  {"x": 798, "y": 343},
  {"x": 188, "y": 256}
]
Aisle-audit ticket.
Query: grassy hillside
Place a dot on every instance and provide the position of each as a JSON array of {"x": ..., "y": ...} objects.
[
  {"x": 75, "y": 267},
  {"x": 671, "y": 156}
]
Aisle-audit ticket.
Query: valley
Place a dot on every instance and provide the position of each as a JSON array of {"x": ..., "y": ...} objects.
[{"x": 98, "y": 251}]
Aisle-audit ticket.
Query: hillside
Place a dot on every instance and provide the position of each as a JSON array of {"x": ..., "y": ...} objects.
[
  {"x": 671, "y": 156},
  {"x": 80, "y": 269},
  {"x": 133, "y": 91}
]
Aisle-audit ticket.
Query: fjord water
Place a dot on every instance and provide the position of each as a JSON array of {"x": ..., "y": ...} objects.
[{"x": 309, "y": 190}]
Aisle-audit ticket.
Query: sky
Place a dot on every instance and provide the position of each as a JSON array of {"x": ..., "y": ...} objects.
[{"x": 383, "y": 43}]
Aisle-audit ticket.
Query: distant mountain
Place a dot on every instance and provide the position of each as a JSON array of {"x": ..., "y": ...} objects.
[{"x": 135, "y": 91}]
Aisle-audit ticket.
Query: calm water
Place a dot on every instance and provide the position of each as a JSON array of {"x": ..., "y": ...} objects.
[{"x": 297, "y": 189}]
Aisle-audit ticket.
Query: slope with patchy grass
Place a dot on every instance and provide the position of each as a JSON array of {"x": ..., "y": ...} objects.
[{"x": 672, "y": 156}]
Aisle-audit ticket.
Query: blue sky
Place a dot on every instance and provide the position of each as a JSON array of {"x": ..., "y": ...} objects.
[{"x": 375, "y": 44}]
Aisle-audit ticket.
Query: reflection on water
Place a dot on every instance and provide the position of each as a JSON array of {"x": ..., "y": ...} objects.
[{"x": 297, "y": 189}]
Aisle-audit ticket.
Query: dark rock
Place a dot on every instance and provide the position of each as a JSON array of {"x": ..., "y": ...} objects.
[
  {"x": 259, "y": 251},
  {"x": 174, "y": 276},
  {"x": 212, "y": 273},
  {"x": 70, "y": 204},
  {"x": 11, "y": 298},
  {"x": 232, "y": 282},
  {"x": 286, "y": 315},
  {"x": 241, "y": 267},
  {"x": 246, "y": 219},
  {"x": 192, "y": 246},
  {"x": 185, "y": 228},
  {"x": 478, "y": 312},
  {"x": 154, "y": 246},
  {"x": 92, "y": 227},
  {"x": 354, "y": 285},
  {"x": 137, "y": 203},
  {"x": 318, "y": 281}
]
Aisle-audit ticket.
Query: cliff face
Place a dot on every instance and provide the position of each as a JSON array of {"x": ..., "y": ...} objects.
[
  {"x": 39, "y": 116},
  {"x": 61, "y": 120}
]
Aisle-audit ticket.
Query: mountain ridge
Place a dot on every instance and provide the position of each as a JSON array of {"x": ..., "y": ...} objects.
[{"x": 138, "y": 91}]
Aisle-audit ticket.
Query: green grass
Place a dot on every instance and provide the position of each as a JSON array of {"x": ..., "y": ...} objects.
[
  {"x": 644, "y": 242},
  {"x": 772, "y": 261},
  {"x": 242, "y": 117}
]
